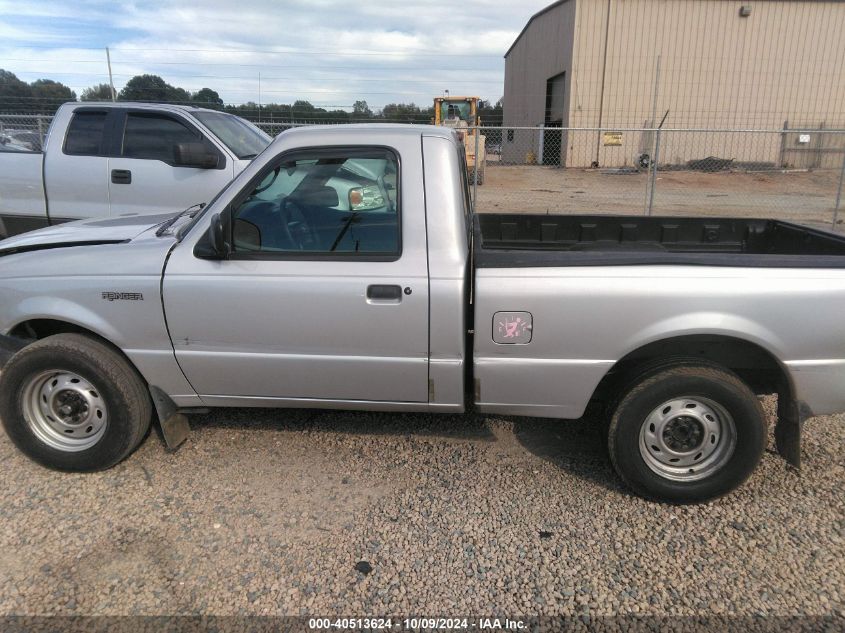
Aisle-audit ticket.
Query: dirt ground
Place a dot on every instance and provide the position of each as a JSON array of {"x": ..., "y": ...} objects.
[{"x": 806, "y": 197}]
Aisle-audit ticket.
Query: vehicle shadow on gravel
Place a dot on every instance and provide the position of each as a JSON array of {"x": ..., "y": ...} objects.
[
  {"x": 575, "y": 446},
  {"x": 469, "y": 427}
]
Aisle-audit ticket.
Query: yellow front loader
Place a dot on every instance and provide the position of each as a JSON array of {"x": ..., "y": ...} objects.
[{"x": 461, "y": 114}]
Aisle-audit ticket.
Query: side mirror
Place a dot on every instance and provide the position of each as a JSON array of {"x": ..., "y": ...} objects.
[
  {"x": 246, "y": 236},
  {"x": 195, "y": 155},
  {"x": 213, "y": 245}
]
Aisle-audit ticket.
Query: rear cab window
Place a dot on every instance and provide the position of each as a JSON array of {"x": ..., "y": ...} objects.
[{"x": 86, "y": 134}]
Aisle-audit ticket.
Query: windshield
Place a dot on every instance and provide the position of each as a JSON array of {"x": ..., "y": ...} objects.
[
  {"x": 452, "y": 110},
  {"x": 240, "y": 136}
]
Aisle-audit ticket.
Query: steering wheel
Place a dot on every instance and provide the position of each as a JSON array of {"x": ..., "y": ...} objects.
[{"x": 295, "y": 227}]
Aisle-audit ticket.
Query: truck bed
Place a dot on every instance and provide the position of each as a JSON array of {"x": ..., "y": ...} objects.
[{"x": 521, "y": 240}]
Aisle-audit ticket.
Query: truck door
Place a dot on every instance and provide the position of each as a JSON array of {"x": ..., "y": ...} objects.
[
  {"x": 143, "y": 174},
  {"x": 325, "y": 295},
  {"x": 76, "y": 167}
]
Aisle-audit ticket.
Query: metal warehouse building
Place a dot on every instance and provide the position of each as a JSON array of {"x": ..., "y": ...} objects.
[{"x": 713, "y": 64}]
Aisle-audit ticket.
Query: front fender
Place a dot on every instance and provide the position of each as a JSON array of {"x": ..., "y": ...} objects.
[{"x": 68, "y": 311}]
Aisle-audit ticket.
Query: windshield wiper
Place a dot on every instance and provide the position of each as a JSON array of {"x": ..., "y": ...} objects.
[
  {"x": 168, "y": 223},
  {"x": 343, "y": 230},
  {"x": 247, "y": 156}
]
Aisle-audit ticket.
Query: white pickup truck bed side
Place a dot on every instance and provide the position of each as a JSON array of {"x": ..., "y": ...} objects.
[{"x": 22, "y": 199}]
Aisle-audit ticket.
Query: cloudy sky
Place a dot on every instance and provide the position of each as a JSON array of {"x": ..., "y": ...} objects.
[{"x": 330, "y": 52}]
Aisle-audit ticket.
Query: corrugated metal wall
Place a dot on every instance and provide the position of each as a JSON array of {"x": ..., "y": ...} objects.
[
  {"x": 544, "y": 51},
  {"x": 784, "y": 62}
]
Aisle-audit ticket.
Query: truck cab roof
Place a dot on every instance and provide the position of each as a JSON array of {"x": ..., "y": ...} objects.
[
  {"x": 384, "y": 131},
  {"x": 139, "y": 105}
]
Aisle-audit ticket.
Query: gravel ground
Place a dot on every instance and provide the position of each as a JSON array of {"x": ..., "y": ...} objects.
[{"x": 269, "y": 512}]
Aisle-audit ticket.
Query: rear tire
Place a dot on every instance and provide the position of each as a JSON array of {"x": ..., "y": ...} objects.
[
  {"x": 686, "y": 433},
  {"x": 71, "y": 402}
]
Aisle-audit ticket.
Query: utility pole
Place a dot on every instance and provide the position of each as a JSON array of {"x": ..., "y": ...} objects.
[
  {"x": 603, "y": 77},
  {"x": 654, "y": 136},
  {"x": 654, "y": 162},
  {"x": 111, "y": 80},
  {"x": 259, "y": 96}
]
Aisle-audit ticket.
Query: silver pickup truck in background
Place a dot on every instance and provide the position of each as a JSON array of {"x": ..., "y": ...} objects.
[
  {"x": 398, "y": 298},
  {"x": 108, "y": 159}
]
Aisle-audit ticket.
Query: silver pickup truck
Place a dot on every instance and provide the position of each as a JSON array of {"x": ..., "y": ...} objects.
[
  {"x": 107, "y": 159},
  {"x": 279, "y": 293}
]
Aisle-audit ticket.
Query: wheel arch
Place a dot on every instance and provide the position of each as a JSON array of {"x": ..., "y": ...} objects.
[
  {"x": 35, "y": 329},
  {"x": 754, "y": 363},
  {"x": 57, "y": 315}
]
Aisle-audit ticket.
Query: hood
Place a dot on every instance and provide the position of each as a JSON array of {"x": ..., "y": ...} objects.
[{"x": 83, "y": 232}]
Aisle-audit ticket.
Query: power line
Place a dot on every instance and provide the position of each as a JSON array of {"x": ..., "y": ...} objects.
[
  {"x": 296, "y": 51},
  {"x": 251, "y": 77},
  {"x": 262, "y": 66}
]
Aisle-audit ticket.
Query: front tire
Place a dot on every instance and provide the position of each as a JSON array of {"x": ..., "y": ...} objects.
[
  {"x": 686, "y": 433},
  {"x": 70, "y": 402}
]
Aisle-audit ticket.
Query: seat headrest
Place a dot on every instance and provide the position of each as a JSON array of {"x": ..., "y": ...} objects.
[{"x": 323, "y": 196}]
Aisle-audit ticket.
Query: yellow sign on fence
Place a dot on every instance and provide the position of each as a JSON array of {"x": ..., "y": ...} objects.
[{"x": 612, "y": 138}]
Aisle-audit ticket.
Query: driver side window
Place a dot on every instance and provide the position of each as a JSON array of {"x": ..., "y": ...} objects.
[{"x": 323, "y": 203}]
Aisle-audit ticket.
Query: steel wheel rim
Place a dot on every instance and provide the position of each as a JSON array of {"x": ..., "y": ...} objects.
[
  {"x": 64, "y": 410},
  {"x": 687, "y": 438}
]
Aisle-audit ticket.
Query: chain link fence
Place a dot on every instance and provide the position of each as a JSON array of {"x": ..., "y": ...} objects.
[
  {"x": 794, "y": 173},
  {"x": 23, "y": 132}
]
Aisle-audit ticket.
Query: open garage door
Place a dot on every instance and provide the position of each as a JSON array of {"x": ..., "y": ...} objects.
[{"x": 554, "y": 143}]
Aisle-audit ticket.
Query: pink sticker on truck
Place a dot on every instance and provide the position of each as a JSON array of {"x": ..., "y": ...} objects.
[{"x": 512, "y": 327}]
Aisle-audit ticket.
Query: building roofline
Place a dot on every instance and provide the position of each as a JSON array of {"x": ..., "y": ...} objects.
[
  {"x": 531, "y": 19},
  {"x": 554, "y": 5}
]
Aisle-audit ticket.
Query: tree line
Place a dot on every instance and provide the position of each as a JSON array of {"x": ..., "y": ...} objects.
[{"x": 44, "y": 96}]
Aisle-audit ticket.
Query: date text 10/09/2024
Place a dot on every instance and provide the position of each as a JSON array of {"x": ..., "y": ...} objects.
[{"x": 416, "y": 624}]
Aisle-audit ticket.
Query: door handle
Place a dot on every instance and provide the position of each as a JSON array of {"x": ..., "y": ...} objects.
[
  {"x": 384, "y": 293},
  {"x": 121, "y": 176}
]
